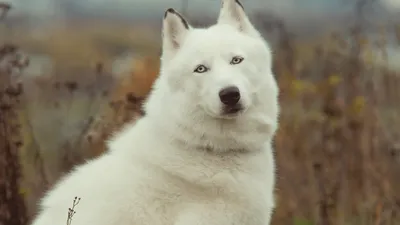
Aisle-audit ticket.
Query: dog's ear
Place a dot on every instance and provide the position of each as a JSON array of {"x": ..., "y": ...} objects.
[
  {"x": 232, "y": 13},
  {"x": 175, "y": 29}
]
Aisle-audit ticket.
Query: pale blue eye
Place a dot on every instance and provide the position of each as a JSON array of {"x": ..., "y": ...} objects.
[
  {"x": 236, "y": 60},
  {"x": 201, "y": 69}
]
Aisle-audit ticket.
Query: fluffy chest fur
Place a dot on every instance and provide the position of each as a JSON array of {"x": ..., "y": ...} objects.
[{"x": 232, "y": 188}]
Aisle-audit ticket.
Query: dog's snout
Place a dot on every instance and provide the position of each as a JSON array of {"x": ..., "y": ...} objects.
[{"x": 230, "y": 96}]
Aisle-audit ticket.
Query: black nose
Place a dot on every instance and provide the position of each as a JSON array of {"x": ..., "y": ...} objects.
[{"x": 230, "y": 96}]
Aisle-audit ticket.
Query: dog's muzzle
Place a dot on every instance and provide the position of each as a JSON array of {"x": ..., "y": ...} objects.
[{"x": 230, "y": 98}]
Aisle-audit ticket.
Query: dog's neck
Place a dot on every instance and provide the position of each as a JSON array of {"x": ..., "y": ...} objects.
[
  {"x": 192, "y": 128},
  {"x": 208, "y": 149},
  {"x": 213, "y": 137}
]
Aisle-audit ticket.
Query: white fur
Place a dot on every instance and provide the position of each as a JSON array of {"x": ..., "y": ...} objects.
[{"x": 185, "y": 162}]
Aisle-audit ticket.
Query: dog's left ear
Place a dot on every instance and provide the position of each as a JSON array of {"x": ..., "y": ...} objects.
[{"x": 232, "y": 13}]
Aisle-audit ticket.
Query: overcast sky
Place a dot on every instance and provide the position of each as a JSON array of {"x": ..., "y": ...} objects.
[
  {"x": 133, "y": 6},
  {"x": 288, "y": 9}
]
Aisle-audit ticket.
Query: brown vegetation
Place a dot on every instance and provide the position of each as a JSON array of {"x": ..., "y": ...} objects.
[
  {"x": 336, "y": 153},
  {"x": 12, "y": 206}
]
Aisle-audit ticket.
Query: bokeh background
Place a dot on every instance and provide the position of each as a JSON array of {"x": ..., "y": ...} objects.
[{"x": 74, "y": 71}]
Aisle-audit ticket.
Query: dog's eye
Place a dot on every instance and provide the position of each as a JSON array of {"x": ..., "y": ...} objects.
[
  {"x": 201, "y": 69},
  {"x": 236, "y": 60}
]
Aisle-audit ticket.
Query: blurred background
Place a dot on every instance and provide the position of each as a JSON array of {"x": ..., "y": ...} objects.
[{"x": 74, "y": 71}]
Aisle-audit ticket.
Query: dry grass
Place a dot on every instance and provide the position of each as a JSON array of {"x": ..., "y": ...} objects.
[
  {"x": 76, "y": 46},
  {"x": 12, "y": 207},
  {"x": 337, "y": 156},
  {"x": 337, "y": 151}
]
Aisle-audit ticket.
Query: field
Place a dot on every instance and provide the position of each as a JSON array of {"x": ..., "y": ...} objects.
[{"x": 337, "y": 148}]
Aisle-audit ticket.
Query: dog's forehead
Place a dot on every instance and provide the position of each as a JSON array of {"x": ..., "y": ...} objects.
[{"x": 218, "y": 37}]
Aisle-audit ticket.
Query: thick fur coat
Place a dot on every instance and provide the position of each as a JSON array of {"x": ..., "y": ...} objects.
[{"x": 202, "y": 154}]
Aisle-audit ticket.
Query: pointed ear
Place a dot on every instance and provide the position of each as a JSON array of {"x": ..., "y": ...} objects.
[
  {"x": 175, "y": 29},
  {"x": 232, "y": 13}
]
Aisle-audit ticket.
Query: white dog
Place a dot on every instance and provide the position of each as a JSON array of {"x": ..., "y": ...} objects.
[{"x": 202, "y": 154}]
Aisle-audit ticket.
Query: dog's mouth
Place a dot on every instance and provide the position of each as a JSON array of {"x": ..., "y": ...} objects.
[
  {"x": 232, "y": 110},
  {"x": 229, "y": 112}
]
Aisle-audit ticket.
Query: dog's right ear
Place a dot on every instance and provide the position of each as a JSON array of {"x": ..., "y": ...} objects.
[{"x": 175, "y": 29}]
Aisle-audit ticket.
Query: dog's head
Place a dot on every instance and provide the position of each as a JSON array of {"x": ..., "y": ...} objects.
[{"x": 221, "y": 73}]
